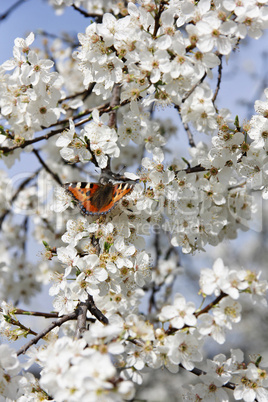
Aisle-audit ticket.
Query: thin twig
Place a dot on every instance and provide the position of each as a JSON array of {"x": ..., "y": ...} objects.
[
  {"x": 210, "y": 305},
  {"x": 32, "y": 141},
  {"x": 71, "y": 42},
  {"x": 106, "y": 108},
  {"x": 186, "y": 128},
  {"x": 83, "y": 12},
  {"x": 90, "y": 305},
  {"x": 199, "y": 372},
  {"x": 173, "y": 330},
  {"x": 20, "y": 188},
  {"x": 98, "y": 17},
  {"x": 81, "y": 326},
  {"x": 189, "y": 134},
  {"x": 17, "y": 323},
  {"x": 84, "y": 94},
  {"x": 23, "y": 184},
  {"x": 193, "y": 88},
  {"x": 24, "y": 226},
  {"x": 195, "y": 169},
  {"x": 54, "y": 175},
  {"x": 158, "y": 16},
  {"x": 218, "y": 80},
  {"x": 45, "y": 331},
  {"x": 95, "y": 311},
  {"x": 20, "y": 311},
  {"x": 155, "y": 288},
  {"x": 11, "y": 8},
  {"x": 115, "y": 101}
]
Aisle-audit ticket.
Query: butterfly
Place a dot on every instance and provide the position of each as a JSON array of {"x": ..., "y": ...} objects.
[{"x": 97, "y": 198}]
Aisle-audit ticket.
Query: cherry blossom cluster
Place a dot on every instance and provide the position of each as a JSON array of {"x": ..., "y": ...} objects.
[
  {"x": 255, "y": 162},
  {"x": 251, "y": 379},
  {"x": 65, "y": 360},
  {"x": 14, "y": 385},
  {"x": 95, "y": 7},
  {"x": 102, "y": 139},
  {"x": 113, "y": 276},
  {"x": 139, "y": 54},
  {"x": 155, "y": 346},
  {"x": 9, "y": 370},
  {"x": 227, "y": 285},
  {"x": 30, "y": 95},
  {"x": 219, "y": 205},
  {"x": 153, "y": 349},
  {"x": 149, "y": 68},
  {"x": 160, "y": 67}
]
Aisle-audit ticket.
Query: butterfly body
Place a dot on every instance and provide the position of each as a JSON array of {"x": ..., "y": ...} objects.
[{"x": 97, "y": 198}]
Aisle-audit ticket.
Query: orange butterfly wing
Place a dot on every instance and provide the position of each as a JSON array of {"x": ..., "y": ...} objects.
[
  {"x": 119, "y": 191},
  {"x": 95, "y": 198}
]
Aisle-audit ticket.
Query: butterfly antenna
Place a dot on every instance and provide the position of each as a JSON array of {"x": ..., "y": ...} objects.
[{"x": 122, "y": 168}]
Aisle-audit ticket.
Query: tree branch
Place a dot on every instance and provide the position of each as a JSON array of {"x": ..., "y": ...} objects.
[
  {"x": 115, "y": 101},
  {"x": 81, "y": 326},
  {"x": 210, "y": 305},
  {"x": 172, "y": 330},
  {"x": 63, "y": 38},
  {"x": 194, "y": 169},
  {"x": 79, "y": 313},
  {"x": 11, "y": 8},
  {"x": 98, "y": 17},
  {"x": 193, "y": 88},
  {"x": 155, "y": 288},
  {"x": 21, "y": 187},
  {"x": 158, "y": 16},
  {"x": 106, "y": 108},
  {"x": 186, "y": 128},
  {"x": 54, "y": 175},
  {"x": 84, "y": 94},
  {"x": 218, "y": 80},
  {"x": 45, "y": 331},
  {"x": 95, "y": 311},
  {"x": 199, "y": 372},
  {"x": 189, "y": 134},
  {"x": 20, "y": 311},
  {"x": 32, "y": 141},
  {"x": 17, "y": 323}
]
